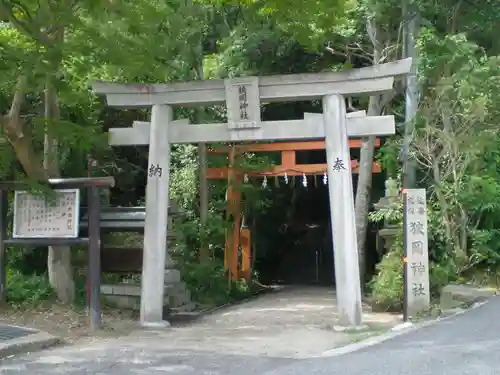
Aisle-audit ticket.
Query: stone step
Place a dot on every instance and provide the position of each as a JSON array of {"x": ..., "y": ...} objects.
[
  {"x": 129, "y": 302},
  {"x": 124, "y": 302},
  {"x": 134, "y": 290},
  {"x": 183, "y": 317},
  {"x": 176, "y": 298},
  {"x": 134, "y": 303},
  {"x": 172, "y": 276},
  {"x": 176, "y": 288},
  {"x": 186, "y": 308},
  {"x": 128, "y": 290},
  {"x": 128, "y": 295}
]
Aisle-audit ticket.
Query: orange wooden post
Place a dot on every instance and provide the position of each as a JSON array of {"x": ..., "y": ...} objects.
[
  {"x": 288, "y": 159},
  {"x": 229, "y": 199},
  {"x": 232, "y": 235},
  {"x": 235, "y": 243},
  {"x": 246, "y": 253},
  {"x": 234, "y": 202}
]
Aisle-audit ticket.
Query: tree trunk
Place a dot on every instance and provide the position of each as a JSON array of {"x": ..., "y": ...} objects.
[
  {"x": 58, "y": 260},
  {"x": 367, "y": 151},
  {"x": 202, "y": 158},
  {"x": 13, "y": 127},
  {"x": 363, "y": 191},
  {"x": 202, "y": 155},
  {"x": 59, "y": 265},
  {"x": 52, "y": 39}
]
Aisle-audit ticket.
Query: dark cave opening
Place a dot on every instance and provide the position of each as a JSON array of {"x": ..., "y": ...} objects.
[{"x": 302, "y": 252}]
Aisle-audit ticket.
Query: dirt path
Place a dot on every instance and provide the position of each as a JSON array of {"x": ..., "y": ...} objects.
[{"x": 292, "y": 323}]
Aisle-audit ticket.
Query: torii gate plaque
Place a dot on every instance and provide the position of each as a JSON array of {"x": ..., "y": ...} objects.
[{"x": 243, "y": 97}]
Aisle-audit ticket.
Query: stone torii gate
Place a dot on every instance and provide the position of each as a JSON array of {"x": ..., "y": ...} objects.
[{"x": 243, "y": 98}]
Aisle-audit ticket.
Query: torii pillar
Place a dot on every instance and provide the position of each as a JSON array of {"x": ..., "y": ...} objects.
[
  {"x": 156, "y": 222},
  {"x": 338, "y": 158}
]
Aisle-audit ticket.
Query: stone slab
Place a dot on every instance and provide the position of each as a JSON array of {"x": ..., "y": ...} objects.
[
  {"x": 455, "y": 295},
  {"x": 8, "y": 332},
  {"x": 124, "y": 302},
  {"x": 134, "y": 290},
  {"x": 133, "y": 302},
  {"x": 19, "y": 340},
  {"x": 125, "y": 290}
]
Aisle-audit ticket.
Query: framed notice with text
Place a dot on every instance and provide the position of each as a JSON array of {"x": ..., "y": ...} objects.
[{"x": 37, "y": 217}]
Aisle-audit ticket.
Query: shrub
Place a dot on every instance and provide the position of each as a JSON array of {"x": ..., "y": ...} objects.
[
  {"x": 27, "y": 289},
  {"x": 208, "y": 283},
  {"x": 387, "y": 285}
]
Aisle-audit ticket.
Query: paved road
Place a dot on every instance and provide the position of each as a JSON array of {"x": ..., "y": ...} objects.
[{"x": 466, "y": 344}]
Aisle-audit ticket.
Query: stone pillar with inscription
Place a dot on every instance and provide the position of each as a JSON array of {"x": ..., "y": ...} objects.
[
  {"x": 340, "y": 190},
  {"x": 417, "y": 292},
  {"x": 156, "y": 223}
]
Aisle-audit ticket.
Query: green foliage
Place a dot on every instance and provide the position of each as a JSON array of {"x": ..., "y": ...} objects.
[
  {"x": 310, "y": 24},
  {"x": 387, "y": 285},
  {"x": 455, "y": 147},
  {"x": 392, "y": 214},
  {"x": 27, "y": 289},
  {"x": 389, "y": 156},
  {"x": 208, "y": 283}
]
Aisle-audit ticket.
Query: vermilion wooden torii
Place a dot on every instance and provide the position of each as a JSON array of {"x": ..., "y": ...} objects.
[{"x": 242, "y": 237}]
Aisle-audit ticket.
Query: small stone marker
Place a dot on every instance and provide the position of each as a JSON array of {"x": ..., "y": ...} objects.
[
  {"x": 36, "y": 217},
  {"x": 417, "y": 292}
]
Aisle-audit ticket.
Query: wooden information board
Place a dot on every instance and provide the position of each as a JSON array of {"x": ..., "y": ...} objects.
[{"x": 35, "y": 217}]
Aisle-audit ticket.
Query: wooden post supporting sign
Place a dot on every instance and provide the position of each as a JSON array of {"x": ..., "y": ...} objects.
[{"x": 36, "y": 222}]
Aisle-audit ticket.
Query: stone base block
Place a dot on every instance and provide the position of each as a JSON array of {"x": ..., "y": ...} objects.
[{"x": 128, "y": 294}]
